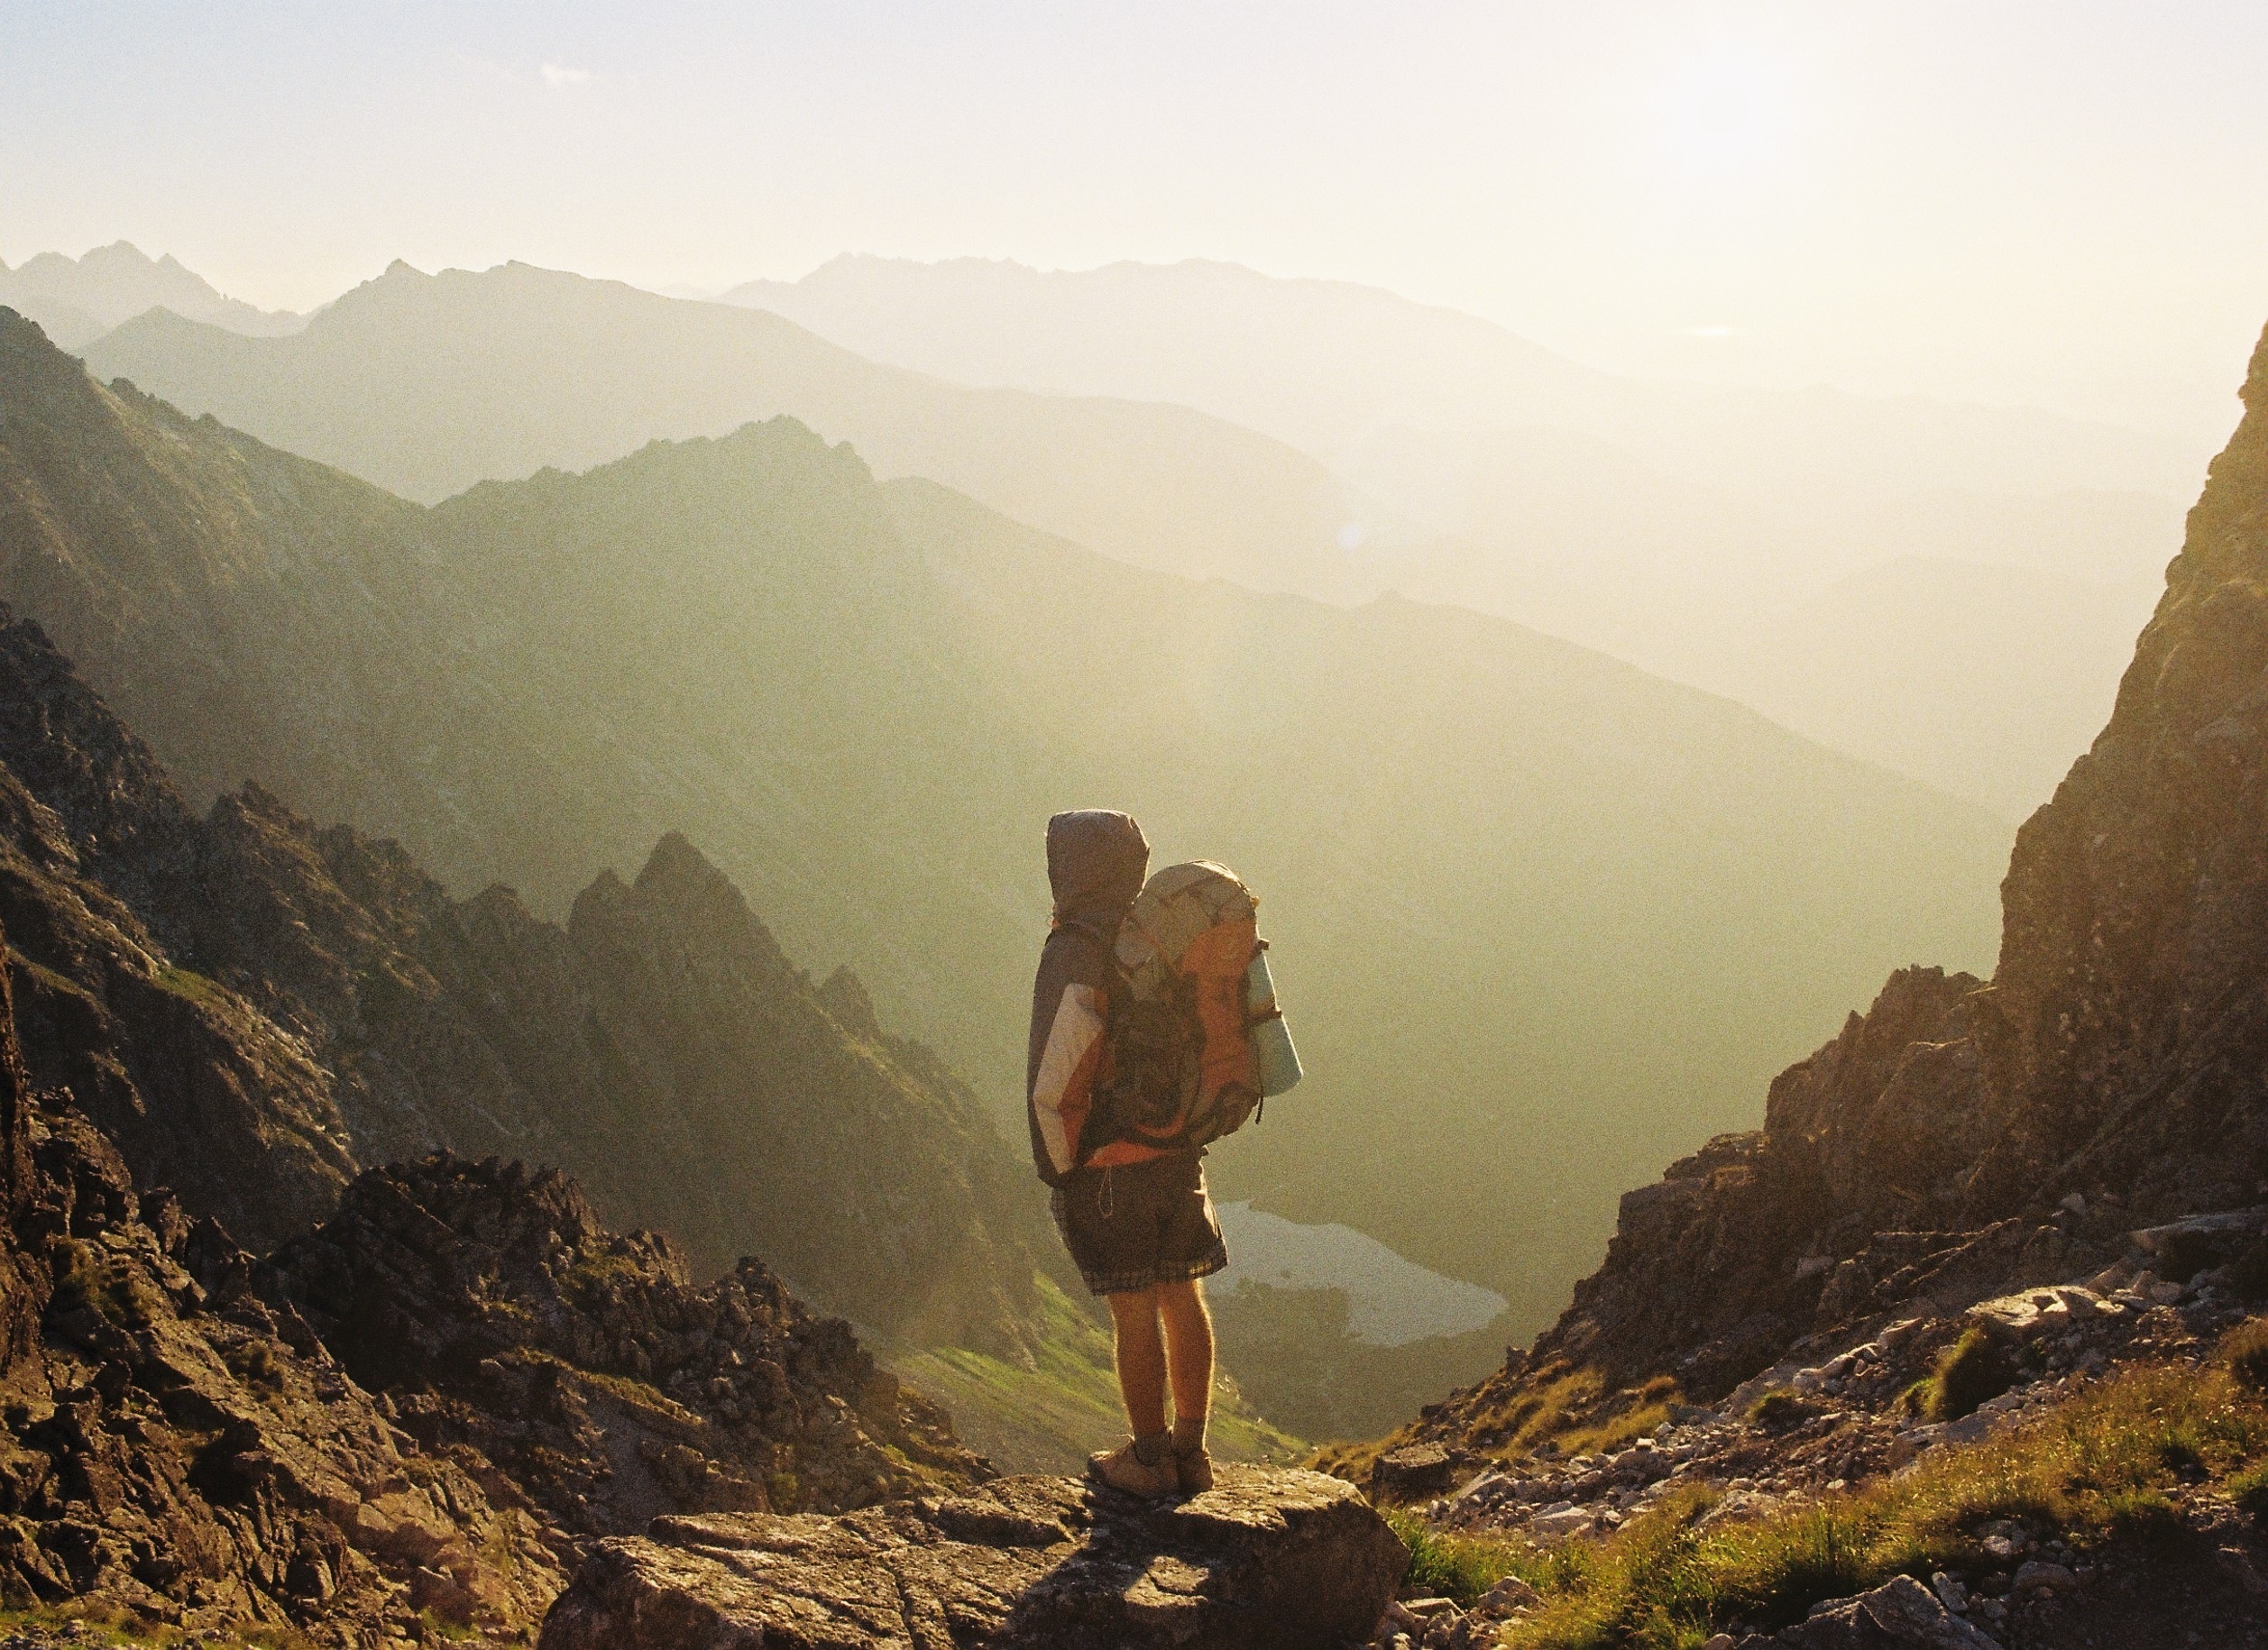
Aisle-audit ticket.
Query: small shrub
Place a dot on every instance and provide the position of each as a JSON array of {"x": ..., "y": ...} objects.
[
  {"x": 2186, "y": 1254},
  {"x": 2245, "y": 1350},
  {"x": 256, "y": 1362},
  {"x": 2249, "y": 1490},
  {"x": 85, "y": 1278},
  {"x": 2248, "y": 1273},
  {"x": 1779, "y": 1408},
  {"x": 1971, "y": 1371}
]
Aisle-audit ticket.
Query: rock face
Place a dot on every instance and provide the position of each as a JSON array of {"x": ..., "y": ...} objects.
[
  {"x": 2069, "y": 1121},
  {"x": 1265, "y": 1559},
  {"x": 254, "y": 1008},
  {"x": 173, "y": 1446},
  {"x": 497, "y": 1314}
]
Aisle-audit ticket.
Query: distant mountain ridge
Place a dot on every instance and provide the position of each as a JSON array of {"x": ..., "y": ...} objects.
[
  {"x": 426, "y": 384},
  {"x": 1539, "y": 914},
  {"x": 1314, "y": 436},
  {"x": 78, "y": 299},
  {"x": 1688, "y": 530}
]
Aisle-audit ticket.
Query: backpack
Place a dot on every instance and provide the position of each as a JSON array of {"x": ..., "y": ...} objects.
[{"x": 1196, "y": 1039}]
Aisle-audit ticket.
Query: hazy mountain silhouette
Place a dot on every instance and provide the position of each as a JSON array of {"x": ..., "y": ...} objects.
[
  {"x": 1544, "y": 918},
  {"x": 1672, "y": 526},
  {"x": 1970, "y": 674},
  {"x": 426, "y": 384},
  {"x": 1325, "y": 364},
  {"x": 78, "y": 299}
]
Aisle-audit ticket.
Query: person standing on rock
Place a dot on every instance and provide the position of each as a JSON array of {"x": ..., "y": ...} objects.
[{"x": 1137, "y": 1218}]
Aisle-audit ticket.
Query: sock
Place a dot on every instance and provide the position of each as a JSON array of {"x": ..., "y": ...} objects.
[
  {"x": 1152, "y": 1449},
  {"x": 1188, "y": 1436}
]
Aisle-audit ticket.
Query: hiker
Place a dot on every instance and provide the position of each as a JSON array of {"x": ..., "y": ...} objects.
[{"x": 1135, "y": 1216}]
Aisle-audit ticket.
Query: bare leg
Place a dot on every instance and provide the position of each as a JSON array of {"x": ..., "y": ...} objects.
[
  {"x": 1141, "y": 1355},
  {"x": 1188, "y": 1338}
]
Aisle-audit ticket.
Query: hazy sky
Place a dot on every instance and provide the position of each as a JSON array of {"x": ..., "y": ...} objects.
[{"x": 2053, "y": 200}]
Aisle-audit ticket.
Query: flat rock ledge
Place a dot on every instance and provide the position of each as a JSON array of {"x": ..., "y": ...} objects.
[{"x": 1265, "y": 1558}]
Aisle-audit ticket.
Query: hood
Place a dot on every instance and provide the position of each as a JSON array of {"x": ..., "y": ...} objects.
[{"x": 1095, "y": 861}]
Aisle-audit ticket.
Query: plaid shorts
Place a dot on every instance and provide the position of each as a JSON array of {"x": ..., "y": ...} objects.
[{"x": 1141, "y": 1224}]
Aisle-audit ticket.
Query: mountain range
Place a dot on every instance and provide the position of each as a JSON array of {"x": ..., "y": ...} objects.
[
  {"x": 1542, "y": 917},
  {"x": 1311, "y": 436},
  {"x": 426, "y": 384},
  {"x": 78, "y": 299},
  {"x": 1688, "y": 530}
]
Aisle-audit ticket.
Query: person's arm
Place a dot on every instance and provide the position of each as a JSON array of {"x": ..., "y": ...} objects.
[
  {"x": 1069, "y": 1007},
  {"x": 1062, "y": 1089}
]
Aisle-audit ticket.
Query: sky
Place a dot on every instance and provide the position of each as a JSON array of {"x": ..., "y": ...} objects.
[{"x": 2061, "y": 202}]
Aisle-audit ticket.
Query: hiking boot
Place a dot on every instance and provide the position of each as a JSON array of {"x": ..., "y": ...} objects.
[
  {"x": 1194, "y": 1469},
  {"x": 1122, "y": 1469}
]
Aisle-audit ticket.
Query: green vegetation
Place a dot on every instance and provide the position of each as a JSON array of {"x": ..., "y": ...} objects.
[
  {"x": 2104, "y": 1463},
  {"x": 1971, "y": 1371},
  {"x": 1048, "y": 1417},
  {"x": 2245, "y": 1350},
  {"x": 192, "y": 987},
  {"x": 88, "y": 1279},
  {"x": 1298, "y": 1361},
  {"x": 1563, "y": 1411},
  {"x": 93, "y": 1624},
  {"x": 256, "y": 1361}
]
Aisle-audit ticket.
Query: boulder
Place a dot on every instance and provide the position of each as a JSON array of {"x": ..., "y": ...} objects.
[
  {"x": 1267, "y": 1557},
  {"x": 1415, "y": 1473},
  {"x": 1899, "y": 1615}
]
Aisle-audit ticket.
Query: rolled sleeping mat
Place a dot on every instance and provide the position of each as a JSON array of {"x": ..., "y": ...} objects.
[{"x": 1277, "y": 1062}]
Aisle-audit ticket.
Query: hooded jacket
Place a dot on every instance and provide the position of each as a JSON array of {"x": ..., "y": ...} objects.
[{"x": 1095, "y": 861}]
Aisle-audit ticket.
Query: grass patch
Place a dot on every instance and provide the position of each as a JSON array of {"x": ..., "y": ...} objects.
[
  {"x": 2249, "y": 1490},
  {"x": 1560, "y": 1410},
  {"x": 2102, "y": 1464},
  {"x": 2245, "y": 1350},
  {"x": 89, "y": 1623},
  {"x": 1972, "y": 1371},
  {"x": 1049, "y": 1417},
  {"x": 1451, "y": 1566},
  {"x": 191, "y": 986}
]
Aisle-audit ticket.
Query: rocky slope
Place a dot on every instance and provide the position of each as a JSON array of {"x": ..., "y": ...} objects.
[
  {"x": 2090, "y": 1129},
  {"x": 498, "y": 1315},
  {"x": 173, "y": 1445},
  {"x": 255, "y": 1008},
  {"x": 408, "y": 1422}
]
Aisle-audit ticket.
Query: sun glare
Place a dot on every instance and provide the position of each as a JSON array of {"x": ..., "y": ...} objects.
[{"x": 1724, "y": 116}]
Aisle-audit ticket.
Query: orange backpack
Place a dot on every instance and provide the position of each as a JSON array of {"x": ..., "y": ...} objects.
[{"x": 1184, "y": 1070}]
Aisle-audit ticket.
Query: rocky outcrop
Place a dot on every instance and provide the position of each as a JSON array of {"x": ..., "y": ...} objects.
[
  {"x": 1267, "y": 1558},
  {"x": 498, "y": 1315},
  {"x": 173, "y": 1447}
]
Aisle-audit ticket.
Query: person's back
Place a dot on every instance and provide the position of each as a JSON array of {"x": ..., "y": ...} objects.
[{"x": 1137, "y": 1217}]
